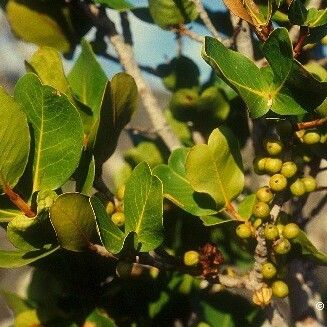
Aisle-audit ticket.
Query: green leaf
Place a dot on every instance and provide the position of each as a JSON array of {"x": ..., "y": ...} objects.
[
  {"x": 15, "y": 141},
  {"x": 143, "y": 208},
  {"x": 309, "y": 250},
  {"x": 87, "y": 79},
  {"x": 7, "y": 214},
  {"x": 177, "y": 188},
  {"x": 111, "y": 236},
  {"x": 31, "y": 233},
  {"x": 15, "y": 302},
  {"x": 147, "y": 151},
  {"x": 216, "y": 168},
  {"x": 218, "y": 219},
  {"x": 72, "y": 218},
  {"x": 246, "y": 206},
  {"x": 285, "y": 86},
  {"x": 297, "y": 13},
  {"x": 15, "y": 259},
  {"x": 118, "y": 105},
  {"x": 316, "y": 17},
  {"x": 46, "y": 63},
  {"x": 116, "y": 4},
  {"x": 215, "y": 317},
  {"x": 97, "y": 318},
  {"x": 241, "y": 74},
  {"x": 58, "y": 132},
  {"x": 36, "y": 27},
  {"x": 170, "y": 13}
]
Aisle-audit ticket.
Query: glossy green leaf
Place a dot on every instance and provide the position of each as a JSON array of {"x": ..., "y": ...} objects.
[
  {"x": 143, "y": 208},
  {"x": 97, "y": 318},
  {"x": 118, "y": 105},
  {"x": 284, "y": 87},
  {"x": 297, "y": 12},
  {"x": 36, "y": 27},
  {"x": 58, "y": 132},
  {"x": 316, "y": 17},
  {"x": 111, "y": 236},
  {"x": 15, "y": 259},
  {"x": 116, "y": 4},
  {"x": 218, "y": 219},
  {"x": 31, "y": 233},
  {"x": 170, "y": 13},
  {"x": 87, "y": 79},
  {"x": 246, "y": 205},
  {"x": 178, "y": 189},
  {"x": 307, "y": 249},
  {"x": 216, "y": 168},
  {"x": 15, "y": 141},
  {"x": 46, "y": 63},
  {"x": 72, "y": 218}
]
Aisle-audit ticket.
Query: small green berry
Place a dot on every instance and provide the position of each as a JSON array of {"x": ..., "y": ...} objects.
[
  {"x": 120, "y": 192},
  {"x": 289, "y": 169},
  {"x": 273, "y": 165},
  {"x": 257, "y": 223},
  {"x": 273, "y": 146},
  {"x": 118, "y": 218},
  {"x": 297, "y": 188},
  {"x": 278, "y": 182},
  {"x": 310, "y": 183},
  {"x": 268, "y": 270},
  {"x": 279, "y": 288},
  {"x": 282, "y": 246},
  {"x": 271, "y": 232},
  {"x": 261, "y": 210},
  {"x": 191, "y": 258},
  {"x": 110, "y": 208},
  {"x": 311, "y": 137},
  {"x": 291, "y": 230},
  {"x": 259, "y": 165},
  {"x": 264, "y": 194},
  {"x": 243, "y": 231}
]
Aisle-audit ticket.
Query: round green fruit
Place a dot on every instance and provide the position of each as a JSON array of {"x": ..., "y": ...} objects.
[
  {"x": 259, "y": 165},
  {"x": 297, "y": 188},
  {"x": 243, "y": 231},
  {"x": 273, "y": 165},
  {"x": 273, "y": 146},
  {"x": 279, "y": 289},
  {"x": 311, "y": 137},
  {"x": 268, "y": 270},
  {"x": 271, "y": 232},
  {"x": 191, "y": 258},
  {"x": 310, "y": 183},
  {"x": 282, "y": 246},
  {"x": 278, "y": 182},
  {"x": 118, "y": 218},
  {"x": 264, "y": 194},
  {"x": 261, "y": 210},
  {"x": 291, "y": 230},
  {"x": 289, "y": 169},
  {"x": 184, "y": 104}
]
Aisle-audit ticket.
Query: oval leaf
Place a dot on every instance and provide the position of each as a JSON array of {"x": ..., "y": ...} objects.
[
  {"x": 15, "y": 141},
  {"x": 111, "y": 236},
  {"x": 216, "y": 168},
  {"x": 58, "y": 132},
  {"x": 178, "y": 189},
  {"x": 73, "y": 220},
  {"x": 35, "y": 27},
  {"x": 143, "y": 207}
]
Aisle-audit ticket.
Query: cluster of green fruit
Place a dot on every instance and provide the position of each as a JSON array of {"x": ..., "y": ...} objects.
[
  {"x": 189, "y": 104},
  {"x": 115, "y": 208}
]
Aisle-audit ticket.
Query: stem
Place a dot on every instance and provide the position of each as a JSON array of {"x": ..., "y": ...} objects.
[
  {"x": 300, "y": 42},
  {"x": 312, "y": 124},
  {"x": 19, "y": 202}
]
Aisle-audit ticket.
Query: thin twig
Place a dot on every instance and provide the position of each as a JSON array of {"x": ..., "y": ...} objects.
[{"x": 312, "y": 124}]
